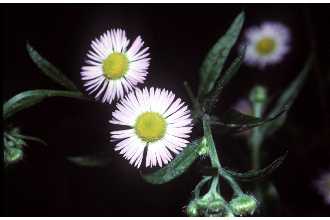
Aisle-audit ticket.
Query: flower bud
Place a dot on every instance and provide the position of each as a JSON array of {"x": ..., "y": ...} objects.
[
  {"x": 204, "y": 201},
  {"x": 258, "y": 94},
  {"x": 12, "y": 155},
  {"x": 243, "y": 205},
  {"x": 192, "y": 209}
]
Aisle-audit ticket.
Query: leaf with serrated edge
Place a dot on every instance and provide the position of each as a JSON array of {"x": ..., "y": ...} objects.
[
  {"x": 213, "y": 63},
  {"x": 49, "y": 69},
  {"x": 30, "y": 98},
  {"x": 176, "y": 167}
]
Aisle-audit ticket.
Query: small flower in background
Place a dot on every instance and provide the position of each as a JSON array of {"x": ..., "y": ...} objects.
[
  {"x": 157, "y": 121},
  {"x": 112, "y": 68},
  {"x": 323, "y": 186},
  {"x": 244, "y": 106},
  {"x": 266, "y": 44}
]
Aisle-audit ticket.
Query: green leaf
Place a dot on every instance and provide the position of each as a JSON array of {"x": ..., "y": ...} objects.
[
  {"x": 236, "y": 121},
  {"x": 30, "y": 98},
  {"x": 50, "y": 70},
  {"x": 257, "y": 174},
  {"x": 216, "y": 57},
  {"x": 177, "y": 167},
  {"x": 212, "y": 99},
  {"x": 100, "y": 159},
  {"x": 287, "y": 99},
  {"x": 30, "y": 138}
]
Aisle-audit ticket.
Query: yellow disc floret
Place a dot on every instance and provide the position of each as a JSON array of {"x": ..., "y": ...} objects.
[
  {"x": 265, "y": 46},
  {"x": 150, "y": 126},
  {"x": 115, "y": 66}
]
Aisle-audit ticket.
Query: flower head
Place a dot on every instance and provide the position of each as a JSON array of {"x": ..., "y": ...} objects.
[
  {"x": 243, "y": 205},
  {"x": 111, "y": 68},
  {"x": 323, "y": 186},
  {"x": 156, "y": 120},
  {"x": 266, "y": 44}
]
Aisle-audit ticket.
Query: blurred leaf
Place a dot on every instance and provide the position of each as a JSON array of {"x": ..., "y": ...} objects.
[
  {"x": 286, "y": 99},
  {"x": 50, "y": 70},
  {"x": 177, "y": 167},
  {"x": 30, "y": 138},
  {"x": 29, "y": 98},
  {"x": 257, "y": 174},
  {"x": 100, "y": 159},
  {"x": 216, "y": 57},
  {"x": 236, "y": 121},
  {"x": 223, "y": 81}
]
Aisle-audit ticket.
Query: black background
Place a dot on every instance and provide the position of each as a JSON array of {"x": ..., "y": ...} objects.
[{"x": 46, "y": 184}]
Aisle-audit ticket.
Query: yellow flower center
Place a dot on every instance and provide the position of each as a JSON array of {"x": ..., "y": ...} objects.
[
  {"x": 266, "y": 46},
  {"x": 115, "y": 66},
  {"x": 150, "y": 126}
]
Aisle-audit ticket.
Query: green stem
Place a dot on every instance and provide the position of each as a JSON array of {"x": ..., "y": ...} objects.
[
  {"x": 214, "y": 184},
  {"x": 213, "y": 154},
  {"x": 255, "y": 142},
  {"x": 256, "y": 138},
  {"x": 236, "y": 188},
  {"x": 212, "y": 149},
  {"x": 199, "y": 186}
]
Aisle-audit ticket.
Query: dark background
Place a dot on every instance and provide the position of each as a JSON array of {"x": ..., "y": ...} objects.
[{"x": 46, "y": 184}]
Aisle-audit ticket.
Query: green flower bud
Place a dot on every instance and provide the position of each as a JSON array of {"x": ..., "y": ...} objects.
[
  {"x": 192, "y": 209},
  {"x": 258, "y": 94},
  {"x": 243, "y": 205},
  {"x": 204, "y": 201},
  {"x": 13, "y": 155}
]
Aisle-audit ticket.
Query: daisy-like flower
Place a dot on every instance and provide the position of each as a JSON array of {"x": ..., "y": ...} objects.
[
  {"x": 112, "y": 69},
  {"x": 266, "y": 44},
  {"x": 323, "y": 186},
  {"x": 156, "y": 120}
]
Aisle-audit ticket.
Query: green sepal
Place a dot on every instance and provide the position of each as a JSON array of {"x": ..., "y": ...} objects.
[
  {"x": 49, "y": 69},
  {"x": 214, "y": 61},
  {"x": 177, "y": 167},
  {"x": 30, "y": 98},
  {"x": 254, "y": 175}
]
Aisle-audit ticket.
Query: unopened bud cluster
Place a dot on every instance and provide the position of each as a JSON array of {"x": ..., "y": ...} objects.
[{"x": 212, "y": 204}]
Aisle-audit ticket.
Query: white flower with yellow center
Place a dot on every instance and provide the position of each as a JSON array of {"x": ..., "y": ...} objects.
[
  {"x": 157, "y": 121},
  {"x": 266, "y": 44},
  {"x": 112, "y": 68}
]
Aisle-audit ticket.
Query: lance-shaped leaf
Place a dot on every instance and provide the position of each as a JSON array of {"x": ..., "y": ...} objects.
[
  {"x": 30, "y": 98},
  {"x": 286, "y": 99},
  {"x": 256, "y": 174},
  {"x": 30, "y": 138},
  {"x": 177, "y": 167},
  {"x": 100, "y": 159},
  {"x": 212, "y": 99},
  {"x": 235, "y": 121},
  {"x": 216, "y": 57},
  {"x": 50, "y": 70}
]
